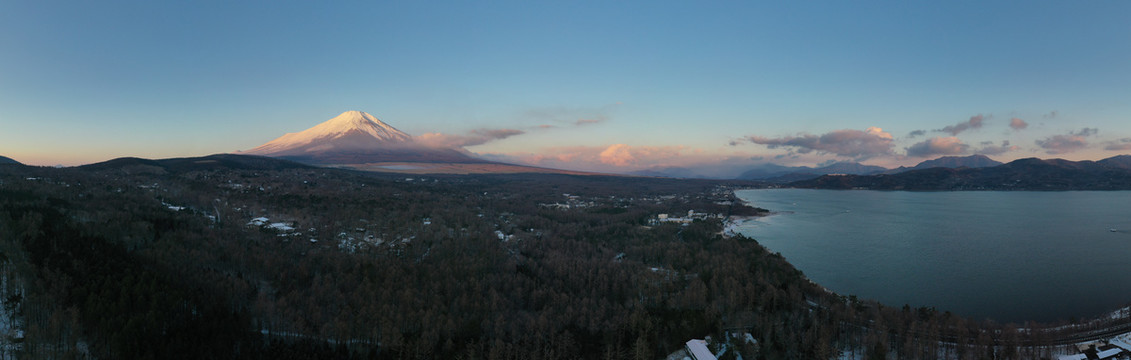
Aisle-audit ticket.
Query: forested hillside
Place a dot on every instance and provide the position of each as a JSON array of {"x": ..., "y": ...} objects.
[{"x": 159, "y": 260}]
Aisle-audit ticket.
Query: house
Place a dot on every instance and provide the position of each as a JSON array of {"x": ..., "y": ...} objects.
[
  {"x": 1109, "y": 353},
  {"x": 698, "y": 350},
  {"x": 1122, "y": 342}
]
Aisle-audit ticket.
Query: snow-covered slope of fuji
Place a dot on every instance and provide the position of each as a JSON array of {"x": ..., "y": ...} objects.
[
  {"x": 355, "y": 137},
  {"x": 352, "y": 130}
]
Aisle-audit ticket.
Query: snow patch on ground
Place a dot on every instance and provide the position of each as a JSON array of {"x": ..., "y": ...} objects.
[{"x": 284, "y": 227}]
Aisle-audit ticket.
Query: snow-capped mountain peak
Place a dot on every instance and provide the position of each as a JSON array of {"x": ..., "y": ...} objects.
[
  {"x": 352, "y": 130},
  {"x": 355, "y": 137},
  {"x": 363, "y": 121}
]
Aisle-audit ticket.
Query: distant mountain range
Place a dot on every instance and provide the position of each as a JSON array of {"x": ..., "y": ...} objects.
[
  {"x": 785, "y": 174},
  {"x": 778, "y": 173},
  {"x": 1023, "y": 174},
  {"x": 953, "y": 162},
  {"x": 7, "y": 160}
]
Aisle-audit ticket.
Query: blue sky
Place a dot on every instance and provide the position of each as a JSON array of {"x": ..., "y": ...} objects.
[{"x": 608, "y": 86}]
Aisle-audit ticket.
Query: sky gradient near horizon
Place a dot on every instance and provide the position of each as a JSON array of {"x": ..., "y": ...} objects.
[{"x": 606, "y": 86}]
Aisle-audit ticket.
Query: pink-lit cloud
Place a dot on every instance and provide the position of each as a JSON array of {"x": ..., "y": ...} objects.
[
  {"x": 625, "y": 155},
  {"x": 1018, "y": 124},
  {"x": 938, "y": 146},
  {"x": 868, "y": 143},
  {"x": 618, "y": 154},
  {"x": 975, "y": 122}
]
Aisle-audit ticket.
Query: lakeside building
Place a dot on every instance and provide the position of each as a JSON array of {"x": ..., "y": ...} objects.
[{"x": 691, "y": 217}]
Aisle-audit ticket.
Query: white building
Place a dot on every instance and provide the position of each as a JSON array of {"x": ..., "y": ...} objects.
[{"x": 699, "y": 351}]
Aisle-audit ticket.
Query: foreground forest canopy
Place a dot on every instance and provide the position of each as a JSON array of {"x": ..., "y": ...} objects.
[{"x": 244, "y": 257}]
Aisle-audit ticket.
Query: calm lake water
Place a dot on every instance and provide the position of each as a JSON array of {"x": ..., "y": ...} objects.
[{"x": 1007, "y": 256}]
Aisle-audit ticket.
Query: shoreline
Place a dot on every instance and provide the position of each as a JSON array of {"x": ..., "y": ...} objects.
[{"x": 732, "y": 222}]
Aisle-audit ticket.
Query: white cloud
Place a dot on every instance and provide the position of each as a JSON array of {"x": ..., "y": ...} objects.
[{"x": 472, "y": 138}]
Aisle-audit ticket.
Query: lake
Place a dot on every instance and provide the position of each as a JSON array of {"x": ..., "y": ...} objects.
[{"x": 1007, "y": 256}]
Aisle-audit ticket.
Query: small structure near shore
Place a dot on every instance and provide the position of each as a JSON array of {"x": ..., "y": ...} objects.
[{"x": 699, "y": 351}]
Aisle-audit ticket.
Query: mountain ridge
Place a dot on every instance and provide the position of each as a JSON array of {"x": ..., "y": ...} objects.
[
  {"x": 136, "y": 165},
  {"x": 954, "y": 162},
  {"x": 4, "y": 160},
  {"x": 184, "y": 164},
  {"x": 779, "y": 173},
  {"x": 1022, "y": 174},
  {"x": 784, "y": 174}
]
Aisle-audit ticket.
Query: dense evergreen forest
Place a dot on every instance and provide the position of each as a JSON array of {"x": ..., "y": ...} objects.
[{"x": 209, "y": 259}]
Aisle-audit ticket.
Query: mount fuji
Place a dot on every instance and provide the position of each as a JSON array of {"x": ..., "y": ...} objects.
[
  {"x": 356, "y": 137},
  {"x": 360, "y": 141}
]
